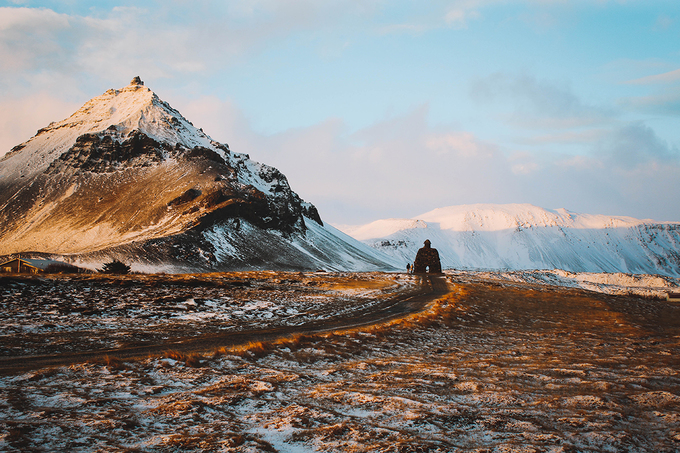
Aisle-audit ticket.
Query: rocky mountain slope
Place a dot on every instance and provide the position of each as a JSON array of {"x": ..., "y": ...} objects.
[
  {"x": 522, "y": 236},
  {"x": 127, "y": 177}
]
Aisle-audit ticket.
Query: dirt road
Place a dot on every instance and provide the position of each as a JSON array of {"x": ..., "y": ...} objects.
[{"x": 402, "y": 301}]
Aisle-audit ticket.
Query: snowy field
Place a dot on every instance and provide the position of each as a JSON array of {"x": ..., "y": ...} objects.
[
  {"x": 643, "y": 285},
  {"x": 56, "y": 315},
  {"x": 497, "y": 365}
]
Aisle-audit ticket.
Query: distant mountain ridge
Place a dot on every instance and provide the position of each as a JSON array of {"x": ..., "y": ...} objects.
[
  {"x": 523, "y": 236},
  {"x": 128, "y": 177}
]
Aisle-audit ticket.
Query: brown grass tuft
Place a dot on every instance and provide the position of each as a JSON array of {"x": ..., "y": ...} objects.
[
  {"x": 193, "y": 360},
  {"x": 113, "y": 363},
  {"x": 252, "y": 350}
]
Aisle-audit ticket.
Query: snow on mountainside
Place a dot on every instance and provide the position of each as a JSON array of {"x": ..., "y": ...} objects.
[
  {"x": 132, "y": 108},
  {"x": 522, "y": 236},
  {"x": 127, "y": 176}
]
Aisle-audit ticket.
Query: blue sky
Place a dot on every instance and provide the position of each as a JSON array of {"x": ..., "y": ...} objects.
[{"x": 377, "y": 109}]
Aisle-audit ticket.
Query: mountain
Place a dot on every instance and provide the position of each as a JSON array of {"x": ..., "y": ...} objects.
[
  {"x": 128, "y": 177},
  {"x": 522, "y": 236}
]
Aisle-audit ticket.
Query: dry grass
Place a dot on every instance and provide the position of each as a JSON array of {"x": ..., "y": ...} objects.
[
  {"x": 111, "y": 362},
  {"x": 440, "y": 312},
  {"x": 193, "y": 360},
  {"x": 343, "y": 284},
  {"x": 253, "y": 349},
  {"x": 259, "y": 349}
]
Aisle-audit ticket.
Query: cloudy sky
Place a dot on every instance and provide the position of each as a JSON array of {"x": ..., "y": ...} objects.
[{"x": 377, "y": 108}]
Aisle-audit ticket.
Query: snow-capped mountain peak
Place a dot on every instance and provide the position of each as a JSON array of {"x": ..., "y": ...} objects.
[
  {"x": 497, "y": 217},
  {"x": 128, "y": 176},
  {"x": 118, "y": 112}
]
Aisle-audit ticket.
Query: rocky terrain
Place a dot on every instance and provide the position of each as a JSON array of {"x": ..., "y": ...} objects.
[
  {"x": 64, "y": 316},
  {"x": 128, "y": 177},
  {"x": 491, "y": 365}
]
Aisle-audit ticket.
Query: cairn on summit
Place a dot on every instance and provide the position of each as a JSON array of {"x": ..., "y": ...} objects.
[{"x": 427, "y": 260}]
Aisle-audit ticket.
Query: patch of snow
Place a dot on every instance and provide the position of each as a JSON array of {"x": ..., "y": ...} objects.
[{"x": 652, "y": 286}]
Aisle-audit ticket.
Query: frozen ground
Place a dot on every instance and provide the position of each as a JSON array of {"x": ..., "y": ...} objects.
[
  {"x": 58, "y": 314},
  {"x": 650, "y": 286},
  {"x": 495, "y": 365}
]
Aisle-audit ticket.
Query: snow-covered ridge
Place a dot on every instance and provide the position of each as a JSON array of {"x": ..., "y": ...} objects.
[
  {"x": 132, "y": 108},
  {"x": 495, "y": 217},
  {"x": 523, "y": 236},
  {"x": 490, "y": 217}
]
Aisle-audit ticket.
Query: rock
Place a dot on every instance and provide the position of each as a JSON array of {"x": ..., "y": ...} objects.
[{"x": 427, "y": 257}]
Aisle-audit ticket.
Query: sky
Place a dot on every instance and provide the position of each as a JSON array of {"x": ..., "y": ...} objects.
[{"x": 384, "y": 109}]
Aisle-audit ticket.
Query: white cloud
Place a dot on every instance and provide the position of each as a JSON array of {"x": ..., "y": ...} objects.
[
  {"x": 456, "y": 14},
  {"x": 460, "y": 143},
  {"x": 28, "y": 38},
  {"x": 637, "y": 145},
  {"x": 523, "y": 163},
  {"x": 43, "y": 49},
  {"x": 524, "y": 168},
  {"x": 664, "y": 103},
  {"x": 663, "y": 22},
  {"x": 155, "y": 40},
  {"x": 581, "y": 137},
  {"x": 665, "y": 77},
  {"x": 538, "y": 104},
  {"x": 579, "y": 162},
  {"x": 458, "y": 17}
]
